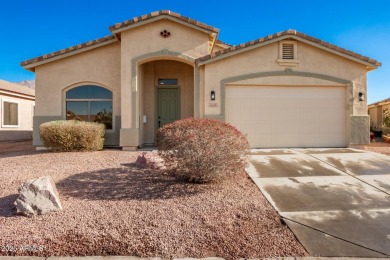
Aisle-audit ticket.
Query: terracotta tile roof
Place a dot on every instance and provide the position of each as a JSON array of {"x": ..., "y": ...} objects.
[
  {"x": 292, "y": 33},
  {"x": 67, "y": 50},
  {"x": 162, "y": 13},
  {"x": 221, "y": 42},
  {"x": 381, "y": 101}
]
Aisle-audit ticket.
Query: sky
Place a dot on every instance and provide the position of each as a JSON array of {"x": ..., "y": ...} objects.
[{"x": 30, "y": 28}]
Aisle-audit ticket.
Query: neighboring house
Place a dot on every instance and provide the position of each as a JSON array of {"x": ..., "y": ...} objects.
[
  {"x": 16, "y": 110},
  {"x": 376, "y": 112},
  {"x": 284, "y": 90}
]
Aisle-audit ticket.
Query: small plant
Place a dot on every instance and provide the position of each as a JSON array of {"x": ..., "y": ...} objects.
[
  {"x": 202, "y": 150},
  {"x": 72, "y": 135}
]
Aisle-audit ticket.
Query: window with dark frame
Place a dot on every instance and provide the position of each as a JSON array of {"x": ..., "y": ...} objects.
[
  {"x": 89, "y": 103},
  {"x": 169, "y": 82}
]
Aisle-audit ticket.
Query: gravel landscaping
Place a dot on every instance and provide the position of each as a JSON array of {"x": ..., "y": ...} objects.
[
  {"x": 377, "y": 146},
  {"x": 111, "y": 207}
]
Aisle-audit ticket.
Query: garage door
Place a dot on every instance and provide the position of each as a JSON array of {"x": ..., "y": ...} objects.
[{"x": 289, "y": 116}]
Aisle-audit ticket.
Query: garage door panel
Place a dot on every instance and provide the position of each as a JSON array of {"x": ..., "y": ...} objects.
[
  {"x": 322, "y": 140},
  {"x": 289, "y": 116},
  {"x": 334, "y": 128},
  {"x": 286, "y": 140}
]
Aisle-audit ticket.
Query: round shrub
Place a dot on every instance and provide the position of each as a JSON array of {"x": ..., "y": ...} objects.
[
  {"x": 72, "y": 135},
  {"x": 202, "y": 150}
]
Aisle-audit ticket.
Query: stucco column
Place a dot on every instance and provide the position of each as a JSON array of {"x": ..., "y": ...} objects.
[{"x": 129, "y": 133}]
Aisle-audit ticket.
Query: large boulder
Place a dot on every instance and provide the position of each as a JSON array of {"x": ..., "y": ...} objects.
[{"x": 38, "y": 196}]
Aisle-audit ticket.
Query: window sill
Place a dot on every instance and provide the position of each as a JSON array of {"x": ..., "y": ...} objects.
[
  {"x": 10, "y": 126},
  {"x": 289, "y": 63}
]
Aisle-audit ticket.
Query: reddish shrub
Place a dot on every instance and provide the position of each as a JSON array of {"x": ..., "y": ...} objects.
[{"x": 202, "y": 150}]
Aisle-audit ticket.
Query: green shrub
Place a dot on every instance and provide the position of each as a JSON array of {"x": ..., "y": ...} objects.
[
  {"x": 72, "y": 135},
  {"x": 202, "y": 150}
]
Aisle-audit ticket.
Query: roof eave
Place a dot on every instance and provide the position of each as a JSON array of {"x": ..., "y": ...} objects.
[
  {"x": 380, "y": 103},
  {"x": 31, "y": 66},
  {"x": 17, "y": 94},
  {"x": 370, "y": 66},
  {"x": 241, "y": 50}
]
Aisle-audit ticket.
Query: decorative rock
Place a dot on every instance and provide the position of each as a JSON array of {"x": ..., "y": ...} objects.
[
  {"x": 141, "y": 161},
  {"x": 37, "y": 197}
]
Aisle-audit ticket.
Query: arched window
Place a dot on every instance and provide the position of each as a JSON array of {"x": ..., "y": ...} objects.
[{"x": 89, "y": 103}]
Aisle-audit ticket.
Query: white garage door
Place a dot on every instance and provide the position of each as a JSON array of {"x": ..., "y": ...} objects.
[{"x": 289, "y": 116}]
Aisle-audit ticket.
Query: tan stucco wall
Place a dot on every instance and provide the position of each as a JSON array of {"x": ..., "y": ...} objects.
[
  {"x": 100, "y": 66},
  {"x": 264, "y": 59},
  {"x": 130, "y": 69},
  {"x": 184, "y": 40},
  {"x": 376, "y": 115},
  {"x": 372, "y": 112},
  {"x": 285, "y": 80},
  {"x": 26, "y": 112},
  {"x": 386, "y": 107},
  {"x": 149, "y": 74}
]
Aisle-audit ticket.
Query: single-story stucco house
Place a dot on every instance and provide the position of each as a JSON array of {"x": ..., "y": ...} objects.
[
  {"x": 17, "y": 111},
  {"x": 376, "y": 111},
  {"x": 284, "y": 90}
]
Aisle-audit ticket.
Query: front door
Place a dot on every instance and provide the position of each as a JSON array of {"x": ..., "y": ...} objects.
[{"x": 168, "y": 106}]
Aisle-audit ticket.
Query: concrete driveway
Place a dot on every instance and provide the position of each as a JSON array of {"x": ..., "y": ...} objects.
[{"x": 336, "y": 201}]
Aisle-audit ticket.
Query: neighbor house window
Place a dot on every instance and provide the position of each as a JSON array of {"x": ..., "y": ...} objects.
[
  {"x": 10, "y": 114},
  {"x": 288, "y": 53},
  {"x": 89, "y": 103}
]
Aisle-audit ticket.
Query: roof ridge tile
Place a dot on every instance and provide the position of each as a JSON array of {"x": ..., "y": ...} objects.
[{"x": 158, "y": 13}]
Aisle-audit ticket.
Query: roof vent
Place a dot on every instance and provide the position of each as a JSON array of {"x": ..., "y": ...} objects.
[{"x": 288, "y": 51}]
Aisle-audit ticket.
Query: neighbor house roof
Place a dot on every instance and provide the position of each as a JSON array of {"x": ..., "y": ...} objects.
[
  {"x": 381, "y": 102},
  {"x": 160, "y": 15},
  {"x": 16, "y": 90},
  {"x": 288, "y": 34}
]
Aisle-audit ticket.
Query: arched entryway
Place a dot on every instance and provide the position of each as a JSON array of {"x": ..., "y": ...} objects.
[{"x": 166, "y": 95}]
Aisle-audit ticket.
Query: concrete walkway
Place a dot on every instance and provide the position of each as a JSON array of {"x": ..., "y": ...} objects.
[{"x": 336, "y": 201}]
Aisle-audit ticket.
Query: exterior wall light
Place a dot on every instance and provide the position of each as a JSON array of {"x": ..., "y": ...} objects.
[
  {"x": 212, "y": 95},
  {"x": 361, "y": 96}
]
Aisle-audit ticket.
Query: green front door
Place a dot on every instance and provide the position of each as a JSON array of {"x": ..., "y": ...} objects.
[{"x": 168, "y": 106}]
